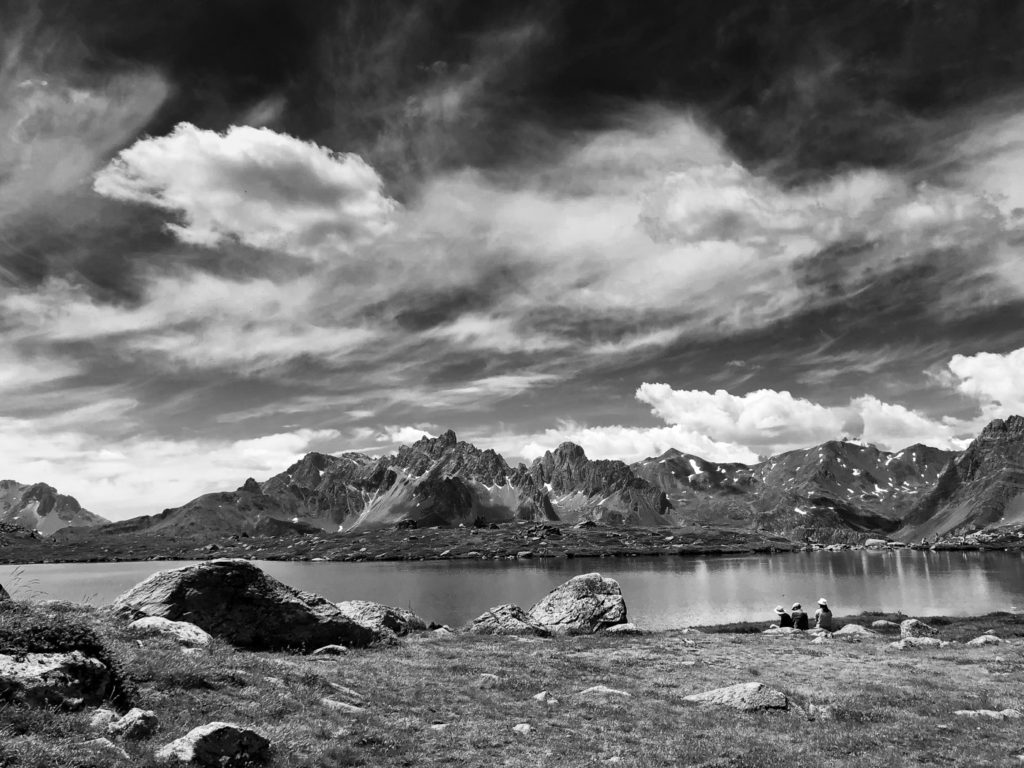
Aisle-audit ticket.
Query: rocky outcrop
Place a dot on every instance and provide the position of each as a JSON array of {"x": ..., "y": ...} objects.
[
  {"x": 39, "y": 507},
  {"x": 582, "y": 605},
  {"x": 69, "y": 680},
  {"x": 236, "y": 601},
  {"x": 983, "y": 487},
  {"x": 382, "y": 618},
  {"x": 184, "y": 632},
  {"x": 746, "y": 697},
  {"x": 220, "y": 745},
  {"x": 916, "y": 628},
  {"x": 506, "y": 620}
]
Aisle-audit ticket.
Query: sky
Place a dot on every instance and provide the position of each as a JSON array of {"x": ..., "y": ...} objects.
[{"x": 234, "y": 231}]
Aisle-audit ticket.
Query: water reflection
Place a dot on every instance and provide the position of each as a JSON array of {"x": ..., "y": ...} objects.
[{"x": 660, "y": 592}]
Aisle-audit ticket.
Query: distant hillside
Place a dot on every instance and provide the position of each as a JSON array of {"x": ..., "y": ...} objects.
[
  {"x": 982, "y": 488},
  {"x": 39, "y": 507}
]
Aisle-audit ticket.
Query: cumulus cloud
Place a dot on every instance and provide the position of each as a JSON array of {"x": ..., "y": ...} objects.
[
  {"x": 400, "y": 434},
  {"x": 992, "y": 379},
  {"x": 770, "y": 422},
  {"x": 265, "y": 189}
]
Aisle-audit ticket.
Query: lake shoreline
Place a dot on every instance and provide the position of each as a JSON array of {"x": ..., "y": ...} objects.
[{"x": 514, "y": 541}]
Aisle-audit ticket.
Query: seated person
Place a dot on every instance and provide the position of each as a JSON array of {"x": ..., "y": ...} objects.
[
  {"x": 800, "y": 617},
  {"x": 823, "y": 616},
  {"x": 784, "y": 618}
]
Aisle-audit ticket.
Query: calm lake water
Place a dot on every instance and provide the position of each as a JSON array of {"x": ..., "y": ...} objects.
[{"x": 661, "y": 593}]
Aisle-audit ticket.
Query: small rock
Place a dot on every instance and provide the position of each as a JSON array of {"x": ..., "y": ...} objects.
[
  {"x": 746, "y": 697},
  {"x": 915, "y": 628},
  {"x": 487, "y": 681},
  {"x": 380, "y": 617},
  {"x": 184, "y": 632},
  {"x": 224, "y": 745},
  {"x": 506, "y": 619},
  {"x": 628, "y": 628},
  {"x": 820, "y": 712},
  {"x": 985, "y": 640},
  {"x": 545, "y": 698},
  {"x": 782, "y": 631},
  {"x": 523, "y": 729},
  {"x": 917, "y": 642},
  {"x": 341, "y": 706},
  {"x": 524, "y": 555},
  {"x": 438, "y": 726},
  {"x": 442, "y": 632},
  {"x": 101, "y": 718},
  {"x": 331, "y": 650},
  {"x": 1005, "y": 714},
  {"x": 106, "y": 747},
  {"x": 853, "y": 630},
  {"x": 137, "y": 724},
  {"x": 821, "y": 640},
  {"x": 69, "y": 680},
  {"x": 603, "y": 692},
  {"x": 883, "y": 625}
]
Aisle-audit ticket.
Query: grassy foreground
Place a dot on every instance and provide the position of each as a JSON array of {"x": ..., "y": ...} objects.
[{"x": 890, "y": 708}]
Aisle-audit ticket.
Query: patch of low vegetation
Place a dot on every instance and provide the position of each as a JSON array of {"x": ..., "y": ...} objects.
[{"x": 422, "y": 703}]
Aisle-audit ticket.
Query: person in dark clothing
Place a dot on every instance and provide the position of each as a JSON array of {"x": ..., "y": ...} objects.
[
  {"x": 784, "y": 618},
  {"x": 799, "y": 617}
]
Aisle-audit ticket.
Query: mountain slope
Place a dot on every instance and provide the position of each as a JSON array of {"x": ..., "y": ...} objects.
[
  {"x": 39, "y": 507},
  {"x": 834, "y": 491},
  {"x": 983, "y": 487}
]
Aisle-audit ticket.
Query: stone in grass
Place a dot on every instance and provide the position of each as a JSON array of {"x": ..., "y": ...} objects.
[
  {"x": 985, "y": 640},
  {"x": 523, "y": 729},
  {"x": 487, "y": 681},
  {"x": 1003, "y": 714},
  {"x": 917, "y": 642},
  {"x": 853, "y": 631},
  {"x": 783, "y": 632},
  {"x": 916, "y": 628},
  {"x": 224, "y": 745},
  {"x": 136, "y": 724},
  {"x": 603, "y": 693},
  {"x": 506, "y": 620},
  {"x": 884, "y": 625},
  {"x": 746, "y": 697},
  {"x": 628, "y": 628},
  {"x": 68, "y": 680},
  {"x": 331, "y": 650},
  {"x": 342, "y": 706},
  {"x": 184, "y": 632},
  {"x": 545, "y": 698},
  {"x": 105, "y": 747},
  {"x": 101, "y": 718}
]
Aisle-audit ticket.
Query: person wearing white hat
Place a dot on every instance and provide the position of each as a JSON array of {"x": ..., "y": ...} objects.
[
  {"x": 823, "y": 616},
  {"x": 799, "y": 617},
  {"x": 785, "y": 620}
]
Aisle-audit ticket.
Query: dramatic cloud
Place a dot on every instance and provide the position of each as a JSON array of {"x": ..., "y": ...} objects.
[{"x": 266, "y": 189}]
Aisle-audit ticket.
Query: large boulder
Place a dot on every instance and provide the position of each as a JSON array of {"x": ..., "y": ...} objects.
[
  {"x": 382, "y": 617},
  {"x": 224, "y": 745},
  {"x": 915, "y": 628},
  {"x": 236, "y": 601},
  {"x": 4, "y": 597},
  {"x": 68, "y": 680},
  {"x": 746, "y": 697},
  {"x": 853, "y": 631},
  {"x": 506, "y": 620},
  {"x": 582, "y": 605}
]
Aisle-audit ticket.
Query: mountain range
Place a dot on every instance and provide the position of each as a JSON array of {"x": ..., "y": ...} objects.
[{"x": 839, "y": 491}]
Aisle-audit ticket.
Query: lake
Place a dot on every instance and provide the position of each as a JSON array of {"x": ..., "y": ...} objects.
[{"x": 661, "y": 593}]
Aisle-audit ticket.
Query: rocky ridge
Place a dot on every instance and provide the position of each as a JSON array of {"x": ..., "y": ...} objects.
[{"x": 39, "y": 507}]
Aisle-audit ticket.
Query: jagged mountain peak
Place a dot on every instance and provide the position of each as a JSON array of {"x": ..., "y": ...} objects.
[
  {"x": 1010, "y": 427},
  {"x": 40, "y": 507}
]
